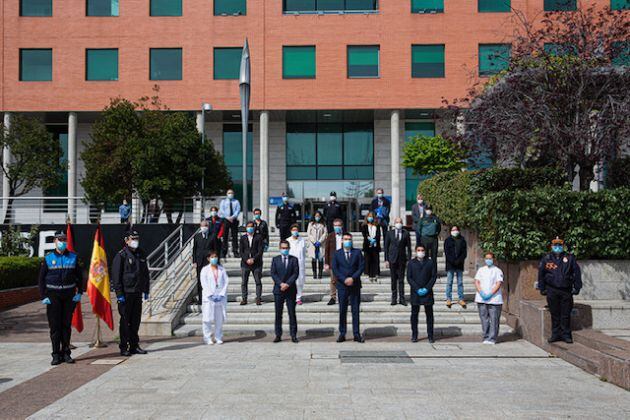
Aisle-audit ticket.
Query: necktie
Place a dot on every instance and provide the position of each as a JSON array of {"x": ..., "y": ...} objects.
[
  {"x": 286, "y": 260},
  {"x": 398, "y": 236},
  {"x": 231, "y": 209},
  {"x": 347, "y": 256}
]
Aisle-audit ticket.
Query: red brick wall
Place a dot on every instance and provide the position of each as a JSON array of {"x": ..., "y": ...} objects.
[{"x": 16, "y": 297}]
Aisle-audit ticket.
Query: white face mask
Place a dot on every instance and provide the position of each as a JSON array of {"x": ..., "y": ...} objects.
[
  {"x": 203, "y": 229},
  {"x": 333, "y": 198},
  {"x": 421, "y": 254},
  {"x": 230, "y": 196},
  {"x": 420, "y": 201},
  {"x": 213, "y": 213},
  {"x": 134, "y": 244},
  {"x": 429, "y": 212},
  {"x": 398, "y": 226},
  {"x": 455, "y": 233}
]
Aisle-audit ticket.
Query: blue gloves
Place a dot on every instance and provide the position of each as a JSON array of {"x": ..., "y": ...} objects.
[
  {"x": 485, "y": 296},
  {"x": 46, "y": 301},
  {"x": 146, "y": 296},
  {"x": 76, "y": 298},
  {"x": 317, "y": 244},
  {"x": 216, "y": 299},
  {"x": 372, "y": 241},
  {"x": 120, "y": 299},
  {"x": 422, "y": 292}
]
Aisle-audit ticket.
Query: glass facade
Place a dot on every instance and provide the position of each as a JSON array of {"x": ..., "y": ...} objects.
[
  {"x": 314, "y": 6},
  {"x": 102, "y": 8},
  {"x": 620, "y": 4},
  {"x": 60, "y": 134},
  {"x": 230, "y": 7},
  {"x": 166, "y": 64},
  {"x": 166, "y": 7},
  {"x": 493, "y": 58},
  {"x": 412, "y": 129},
  {"x": 101, "y": 64},
  {"x": 35, "y": 65},
  {"x": 233, "y": 156},
  {"x": 427, "y": 6},
  {"x": 35, "y": 7},
  {"x": 560, "y": 49},
  {"x": 363, "y": 61},
  {"x": 227, "y": 63},
  {"x": 427, "y": 61},
  {"x": 560, "y": 5},
  {"x": 487, "y": 6},
  {"x": 621, "y": 53},
  {"x": 298, "y": 62}
]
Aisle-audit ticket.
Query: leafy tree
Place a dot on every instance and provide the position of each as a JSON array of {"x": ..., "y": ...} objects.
[
  {"x": 14, "y": 244},
  {"x": 35, "y": 157},
  {"x": 429, "y": 155}
]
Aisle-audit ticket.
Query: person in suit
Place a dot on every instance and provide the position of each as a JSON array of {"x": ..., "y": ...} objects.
[
  {"x": 333, "y": 243},
  {"x": 216, "y": 230},
  {"x": 348, "y": 265},
  {"x": 381, "y": 207},
  {"x": 418, "y": 213},
  {"x": 371, "y": 246},
  {"x": 332, "y": 212},
  {"x": 202, "y": 246},
  {"x": 214, "y": 280},
  {"x": 230, "y": 209},
  {"x": 261, "y": 228},
  {"x": 251, "y": 251},
  {"x": 421, "y": 276},
  {"x": 397, "y": 254},
  {"x": 284, "y": 272}
]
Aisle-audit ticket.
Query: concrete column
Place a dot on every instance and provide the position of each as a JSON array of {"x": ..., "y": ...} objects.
[
  {"x": 395, "y": 163},
  {"x": 264, "y": 164},
  {"x": 72, "y": 165},
  {"x": 6, "y": 159},
  {"x": 200, "y": 121}
]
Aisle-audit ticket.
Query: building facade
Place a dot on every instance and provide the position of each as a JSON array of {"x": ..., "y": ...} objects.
[{"x": 338, "y": 86}]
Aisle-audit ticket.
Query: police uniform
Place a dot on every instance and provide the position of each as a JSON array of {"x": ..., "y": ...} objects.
[
  {"x": 130, "y": 280},
  {"x": 60, "y": 278},
  {"x": 332, "y": 211},
  {"x": 285, "y": 217},
  {"x": 559, "y": 278}
]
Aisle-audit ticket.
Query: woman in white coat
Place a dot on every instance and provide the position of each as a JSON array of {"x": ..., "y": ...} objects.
[
  {"x": 298, "y": 250},
  {"x": 316, "y": 236},
  {"x": 214, "y": 284}
]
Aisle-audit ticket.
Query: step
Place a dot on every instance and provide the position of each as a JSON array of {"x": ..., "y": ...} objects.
[
  {"x": 368, "y": 288},
  {"x": 322, "y": 307},
  {"x": 577, "y": 354},
  {"x": 620, "y": 333}
]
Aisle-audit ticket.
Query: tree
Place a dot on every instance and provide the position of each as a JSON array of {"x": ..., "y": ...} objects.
[
  {"x": 35, "y": 157},
  {"x": 430, "y": 155}
]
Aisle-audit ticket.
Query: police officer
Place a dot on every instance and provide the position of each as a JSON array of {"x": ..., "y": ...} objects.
[
  {"x": 332, "y": 211},
  {"x": 60, "y": 287},
  {"x": 286, "y": 216},
  {"x": 559, "y": 278},
  {"x": 130, "y": 280}
]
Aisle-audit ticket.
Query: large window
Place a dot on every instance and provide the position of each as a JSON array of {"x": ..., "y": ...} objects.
[
  {"x": 484, "y": 6},
  {"x": 621, "y": 53},
  {"x": 102, "y": 8},
  {"x": 323, "y": 6},
  {"x": 298, "y": 62},
  {"x": 363, "y": 61},
  {"x": 620, "y": 4},
  {"x": 101, "y": 64},
  {"x": 35, "y": 7},
  {"x": 427, "y": 6},
  {"x": 427, "y": 61},
  {"x": 493, "y": 58},
  {"x": 330, "y": 151},
  {"x": 166, "y": 7},
  {"x": 560, "y": 5},
  {"x": 230, "y": 7},
  {"x": 166, "y": 64},
  {"x": 412, "y": 129},
  {"x": 233, "y": 157},
  {"x": 560, "y": 49},
  {"x": 60, "y": 134},
  {"x": 36, "y": 65},
  {"x": 227, "y": 63}
]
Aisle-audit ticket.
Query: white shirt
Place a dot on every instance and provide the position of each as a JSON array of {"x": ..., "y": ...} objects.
[
  {"x": 372, "y": 231},
  {"x": 488, "y": 277},
  {"x": 339, "y": 239},
  {"x": 250, "y": 238}
]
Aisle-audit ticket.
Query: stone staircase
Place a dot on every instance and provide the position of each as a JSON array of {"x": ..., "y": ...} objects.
[{"x": 316, "y": 318}]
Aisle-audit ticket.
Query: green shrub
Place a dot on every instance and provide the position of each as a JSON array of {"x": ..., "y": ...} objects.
[
  {"x": 618, "y": 173},
  {"x": 18, "y": 272},
  {"x": 449, "y": 196},
  {"x": 511, "y": 179}
]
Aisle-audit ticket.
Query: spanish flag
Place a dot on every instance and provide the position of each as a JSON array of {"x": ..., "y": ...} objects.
[
  {"x": 98, "y": 281},
  {"x": 77, "y": 315}
]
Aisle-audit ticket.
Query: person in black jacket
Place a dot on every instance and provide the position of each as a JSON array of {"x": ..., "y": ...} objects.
[
  {"x": 332, "y": 212},
  {"x": 60, "y": 288},
  {"x": 261, "y": 228},
  {"x": 559, "y": 278},
  {"x": 421, "y": 277},
  {"x": 216, "y": 230},
  {"x": 381, "y": 207},
  {"x": 251, "y": 251},
  {"x": 130, "y": 281},
  {"x": 455, "y": 252},
  {"x": 202, "y": 246},
  {"x": 397, "y": 253},
  {"x": 284, "y": 272},
  {"x": 286, "y": 216},
  {"x": 371, "y": 246}
]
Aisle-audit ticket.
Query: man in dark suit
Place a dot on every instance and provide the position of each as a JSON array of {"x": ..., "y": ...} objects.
[
  {"x": 397, "y": 254},
  {"x": 284, "y": 272},
  {"x": 202, "y": 245},
  {"x": 348, "y": 265},
  {"x": 421, "y": 276},
  {"x": 333, "y": 243},
  {"x": 261, "y": 228},
  {"x": 251, "y": 251}
]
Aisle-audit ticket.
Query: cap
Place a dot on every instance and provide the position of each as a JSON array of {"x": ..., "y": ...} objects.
[
  {"x": 132, "y": 234},
  {"x": 557, "y": 241},
  {"x": 61, "y": 235},
  {"x": 333, "y": 193}
]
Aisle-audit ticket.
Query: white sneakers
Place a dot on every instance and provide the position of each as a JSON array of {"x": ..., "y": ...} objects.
[
  {"x": 490, "y": 342},
  {"x": 219, "y": 342}
]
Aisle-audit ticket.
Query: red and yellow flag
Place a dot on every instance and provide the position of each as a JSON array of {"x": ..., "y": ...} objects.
[
  {"x": 98, "y": 282},
  {"x": 77, "y": 315}
]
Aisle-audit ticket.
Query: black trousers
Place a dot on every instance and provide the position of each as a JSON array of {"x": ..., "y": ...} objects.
[
  {"x": 245, "y": 281},
  {"x": 431, "y": 247},
  {"x": 59, "y": 314},
  {"x": 199, "y": 283},
  {"x": 397, "y": 273},
  {"x": 230, "y": 232},
  {"x": 285, "y": 231},
  {"x": 350, "y": 297},
  {"x": 560, "y": 306},
  {"x": 372, "y": 262},
  {"x": 279, "y": 301},
  {"x": 130, "y": 317},
  {"x": 428, "y": 311}
]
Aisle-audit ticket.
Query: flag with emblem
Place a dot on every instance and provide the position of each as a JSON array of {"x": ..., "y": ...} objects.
[
  {"x": 77, "y": 315},
  {"x": 98, "y": 282}
]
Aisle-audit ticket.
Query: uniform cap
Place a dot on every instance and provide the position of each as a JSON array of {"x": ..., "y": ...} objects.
[
  {"x": 333, "y": 193},
  {"x": 132, "y": 234},
  {"x": 557, "y": 241},
  {"x": 61, "y": 235}
]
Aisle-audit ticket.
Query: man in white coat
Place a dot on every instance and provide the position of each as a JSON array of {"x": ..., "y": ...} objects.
[
  {"x": 298, "y": 250},
  {"x": 214, "y": 285}
]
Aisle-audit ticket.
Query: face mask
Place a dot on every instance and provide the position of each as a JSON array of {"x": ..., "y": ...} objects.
[
  {"x": 295, "y": 233},
  {"x": 489, "y": 262},
  {"x": 557, "y": 249},
  {"x": 379, "y": 195},
  {"x": 317, "y": 218},
  {"x": 421, "y": 254},
  {"x": 333, "y": 198},
  {"x": 370, "y": 219},
  {"x": 429, "y": 212},
  {"x": 337, "y": 229},
  {"x": 230, "y": 196},
  {"x": 257, "y": 216},
  {"x": 204, "y": 229},
  {"x": 455, "y": 233},
  {"x": 285, "y": 199},
  {"x": 284, "y": 252},
  {"x": 250, "y": 230},
  {"x": 61, "y": 246},
  {"x": 213, "y": 214},
  {"x": 347, "y": 244},
  {"x": 398, "y": 226},
  {"x": 134, "y": 244},
  {"x": 420, "y": 201},
  {"x": 214, "y": 261}
]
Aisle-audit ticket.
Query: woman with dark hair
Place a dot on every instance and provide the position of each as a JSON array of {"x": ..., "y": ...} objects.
[
  {"x": 371, "y": 246},
  {"x": 214, "y": 284},
  {"x": 316, "y": 234}
]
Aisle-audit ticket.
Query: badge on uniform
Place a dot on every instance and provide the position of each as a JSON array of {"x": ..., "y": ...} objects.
[
  {"x": 565, "y": 260},
  {"x": 130, "y": 261},
  {"x": 54, "y": 262}
]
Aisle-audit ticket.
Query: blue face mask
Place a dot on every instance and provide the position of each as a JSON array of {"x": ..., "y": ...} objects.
[
  {"x": 285, "y": 199},
  {"x": 370, "y": 219},
  {"x": 347, "y": 244},
  {"x": 557, "y": 249},
  {"x": 379, "y": 195},
  {"x": 337, "y": 229},
  {"x": 257, "y": 216},
  {"x": 250, "y": 230},
  {"x": 214, "y": 261},
  {"x": 295, "y": 233},
  {"x": 61, "y": 246},
  {"x": 284, "y": 252},
  {"x": 489, "y": 262},
  {"x": 317, "y": 218}
]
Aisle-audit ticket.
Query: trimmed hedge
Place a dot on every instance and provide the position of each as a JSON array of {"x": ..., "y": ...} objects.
[
  {"x": 513, "y": 179},
  {"x": 449, "y": 196},
  {"x": 18, "y": 272}
]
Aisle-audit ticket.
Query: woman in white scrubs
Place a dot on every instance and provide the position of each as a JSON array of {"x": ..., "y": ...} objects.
[{"x": 214, "y": 284}]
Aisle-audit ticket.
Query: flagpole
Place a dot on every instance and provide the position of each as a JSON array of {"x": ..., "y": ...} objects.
[{"x": 98, "y": 344}]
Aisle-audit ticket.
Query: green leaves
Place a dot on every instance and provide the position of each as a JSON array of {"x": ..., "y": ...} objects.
[{"x": 428, "y": 155}]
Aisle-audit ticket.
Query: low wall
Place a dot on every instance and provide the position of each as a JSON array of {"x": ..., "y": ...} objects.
[{"x": 19, "y": 296}]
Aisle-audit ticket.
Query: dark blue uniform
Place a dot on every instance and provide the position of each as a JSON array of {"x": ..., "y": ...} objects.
[
  {"x": 285, "y": 217},
  {"x": 60, "y": 278},
  {"x": 332, "y": 211}
]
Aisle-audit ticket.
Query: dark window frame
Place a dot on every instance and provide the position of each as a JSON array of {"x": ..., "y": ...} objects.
[
  {"x": 426, "y": 11},
  {"x": 509, "y": 7},
  {"x": 41, "y": 16},
  {"x": 317, "y": 11},
  {"x": 181, "y": 64},
  {"x": 87, "y": 10},
  {"x": 52, "y": 64},
  {"x": 443, "y": 76},
  {"x": 284, "y": 77},
  {"x": 378, "y": 64},
  {"x": 117, "y": 64},
  {"x": 214, "y": 10},
  {"x": 181, "y": 13}
]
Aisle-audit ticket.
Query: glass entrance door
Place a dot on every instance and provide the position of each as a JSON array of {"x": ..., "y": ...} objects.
[{"x": 349, "y": 209}]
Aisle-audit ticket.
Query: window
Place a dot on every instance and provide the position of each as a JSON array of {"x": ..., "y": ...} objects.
[
  {"x": 427, "y": 61},
  {"x": 330, "y": 151},
  {"x": 227, "y": 63},
  {"x": 101, "y": 64},
  {"x": 166, "y": 7},
  {"x": 363, "y": 61},
  {"x": 230, "y": 7},
  {"x": 493, "y": 58},
  {"x": 298, "y": 62},
  {"x": 560, "y": 49},
  {"x": 621, "y": 53},
  {"x": 413, "y": 129},
  {"x": 323, "y": 6},
  {"x": 60, "y": 189},
  {"x": 166, "y": 64},
  {"x": 560, "y": 5},
  {"x": 35, "y": 7},
  {"x": 427, "y": 6},
  {"x": 233, "y": 156},
  {"x": 484, "y": 6},
  {"x": 36, "y": 65},
  {"x": 620, "y": 4},
  {"x": 102, "y": 8}
]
